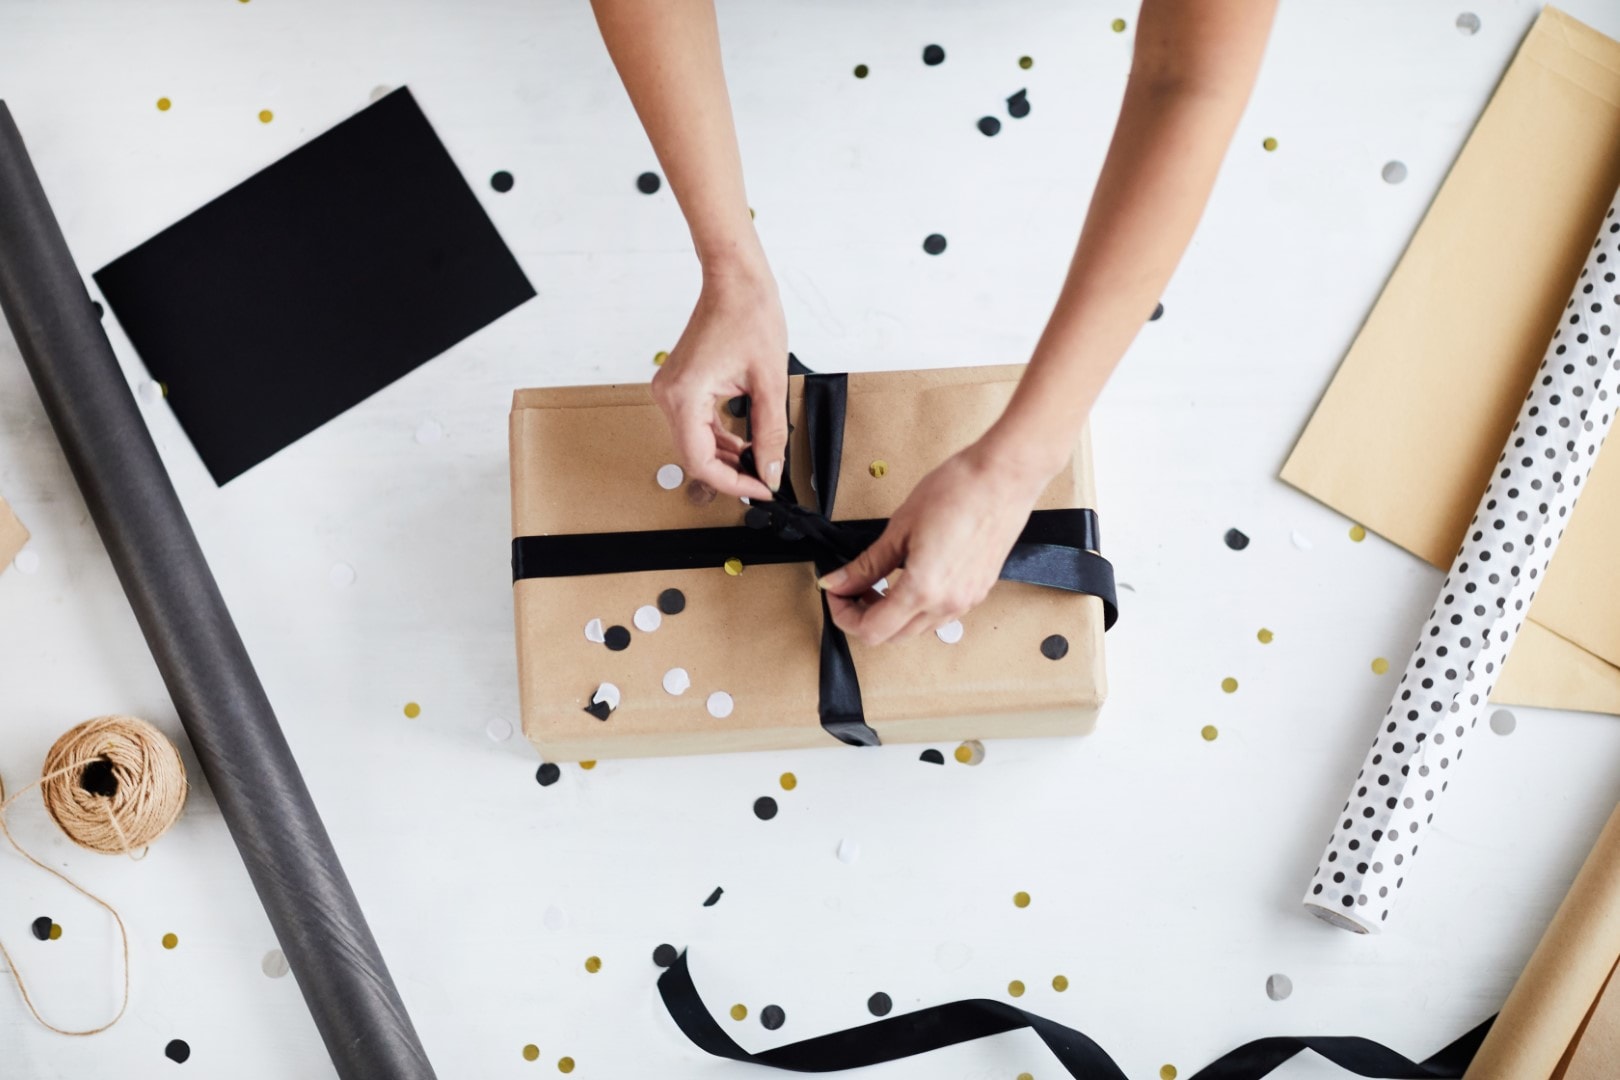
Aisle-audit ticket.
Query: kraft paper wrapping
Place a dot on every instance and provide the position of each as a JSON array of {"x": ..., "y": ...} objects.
[
  {"x": 1555, "y": 1023},
  {"x": 218, "y": 696},
  {"x": 12, "y": 536},
  {"x": 1482, "y": 603},
  {"x": 584, "y": 460},
  {"x": 1457, "y": 333}
]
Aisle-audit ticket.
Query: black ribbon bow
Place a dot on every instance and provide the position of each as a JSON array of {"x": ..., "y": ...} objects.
[{"x": 1057, "y": 549}]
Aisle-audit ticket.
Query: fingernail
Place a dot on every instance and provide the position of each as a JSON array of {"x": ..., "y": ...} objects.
[
  {"x": 834, "y": 579},
  {"x": 773, "y": 476}
]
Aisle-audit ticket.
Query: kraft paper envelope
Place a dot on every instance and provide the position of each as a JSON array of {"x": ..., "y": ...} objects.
[
  {"x": 1410, "y": 429},
  {"x": 12, "y": 535}
]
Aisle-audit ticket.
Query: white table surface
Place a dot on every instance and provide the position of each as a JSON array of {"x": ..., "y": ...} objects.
[{"x": 1166, "y": 870}]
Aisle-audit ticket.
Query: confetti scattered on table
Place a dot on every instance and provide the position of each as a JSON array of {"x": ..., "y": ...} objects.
[
  {"x": 531, "y": 1053},
  {"x": 1236, "y": 539},
  {"x": 274, "y": 964},
  {"x": 950, "y": 633},
  {"x": 1055, "y": 647},
  {"x": 42, "y": 927},
  {"x": 714, "y": 897},
  {"x": 1229, "y": 685},
  {"x": 989, "y": 125},
  {"x": 879, "y": 1004},
  {"x": 933, "y": 55},
  {"x": 659, "y": 357},
  {"x": 593, "y": 964},
  {"x": 932, "y": 756},
  {"x": 648, "y": 183},
  {"x": 1167, "y": 1072},
  {"x": 1269, "y": 144},
  {"x": 788, "y": 781},
  {"x": 163, "y": 104},
  {"x": 565, "y": 1064},
  {"x": 772, "y": 1017},
  {"x": 554, "y": 917},
  {"x": 1158, "y": 312},
  {"x": 1278, "y": 987},
  {"x": 56, "y": 931},
  {"x": 1266, "y": 637},
  {"x": 676, "y": 681},
  {"x": 1118, "y": 26},
  {"x": 593, "y": 631},
  {"x": 340, "y": 575},
  {"x": 1503, "y": 722},
  {"x": 670, "y": 476},
  {"x": 734, "y": 566},
  {"x": 672, "y": 601},
  {"x": 548, "y": 774},
  {"x": 265, "y": 116},
  {"x": 1210, "y": 732},
  {"x": 739, "y": 1012},
  {"x": 665, "y": 955},
  {"x": 1468, "y": 24},
  {"x": 848, "y": 851},
  {"x": 970, "y": 752},
  {"x": 1018, "y": 105},
  {"x": 934, "y": 243},
  {"x": 616, "y": 638},
  {"x": 1357, "y": 533},
  {"x": 1021, "y": 899},
  {"x": 178, "y": 1051},
  {"x": 170, "y": 941},
  {"x": 1015, "y": 988},
  {"x": 587, "y": 765},
  {"x": 429, "y": 432},
  {"x": 1393, "y": 172},
  {"x": 501, "y": 181},
  {"x": 879, "y": 469},
  {"x": 1300, "y": 540},
  {"x": 862, "y": 71},
  {"x": 764, "y": 808},
  {"x": 720, "y": 704},
  {"x": 412, "y": 710},
  {"x": 378, "y": 92},
  {"x": 647, "y": 618},
  {"x": 1380, "y": 666},
  {"x": 498, "y": 729},
  {"x": 1060, "y": 983},
  {"x": 26, "y": 561},
  {"x": 1026, "y": 62}
]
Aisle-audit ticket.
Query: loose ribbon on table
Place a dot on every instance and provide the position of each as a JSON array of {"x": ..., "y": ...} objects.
[
  {"x": 939, "y": 1026},
  {"x": 1057, "y": 549}
]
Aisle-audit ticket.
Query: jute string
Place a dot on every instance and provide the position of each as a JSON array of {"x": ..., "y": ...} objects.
[{"x": 113, "y": 784}]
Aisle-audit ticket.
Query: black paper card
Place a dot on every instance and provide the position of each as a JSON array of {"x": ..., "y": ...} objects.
[{"x": 313, "y": 284}]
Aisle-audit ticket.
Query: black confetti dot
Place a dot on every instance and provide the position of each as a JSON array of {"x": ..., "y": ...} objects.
[
  {"x": 599, "y": 709},
  {"x": 932, "y": 756},
  {"x": 862, "y": 71},
  {"x": 757, "y": 517},
  {"x": 42, "y": 927},
  {"x": 616, "y": 638},
  {"x": 714, "y": 897},
  {"x": 1236, "y": 539},
  {"x": 738, "y": 406},
  {"x": 933, "y": 56},
  {"x": 672, "y": 601},
  {"x": 772, "y": 1017},
  {"x": 501, "y": 181},
  {"x": 1158, "y": 313},
  {"x": 1018, "y": 105},
  {"x": 665, "y": 955},
  {"x": 98, "y": 778},
  {"x": 879, "y": 1004},
  {"x": 95, "y": 305},
  {"x": 648, "y": 183},
  {"x": 177, "y": 1051},
  {"x": 1055, "y": 647},
  {"x": 548, "y": 774},
  {"x": 989, "y": 125},
  {"x": 934, "y": 244},
  {"x": 764, "y": 808}
]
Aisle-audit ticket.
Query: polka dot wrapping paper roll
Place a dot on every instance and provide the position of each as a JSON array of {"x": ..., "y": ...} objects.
[{"x": 1566, "y": 414}]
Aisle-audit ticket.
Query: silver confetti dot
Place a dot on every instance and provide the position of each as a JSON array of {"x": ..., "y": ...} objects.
[
  {"x": 670, "y": 477},
  {"x": 648, "y": 618}
]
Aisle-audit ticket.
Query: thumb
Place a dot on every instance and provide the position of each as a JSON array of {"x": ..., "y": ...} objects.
[
  {"x": 858, "y": 575},
  {"x": 770, "y": 427}
]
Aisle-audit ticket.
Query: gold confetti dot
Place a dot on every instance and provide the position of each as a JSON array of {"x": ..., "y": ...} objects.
[
  {"x": 1357, "y": 533},
  {"x": 1020, "y": 899},
  {"x": 265, "y": 116},
  {"x": 1118, "y": 25},
  {"x": 878, "y": 468},
  {"x": 1060, "y": 983},
  {"x": 659, "y": 357},
  {"x": 1379, "y": 665},
  {"x": 412, "y": 710},
  {"x": 1026, "y": 62},
  {"x": 970, "y": 752},
  {"x": 56, "y": 932},
  {"x": 1025, "y": 1076},
  {"x": 1167, "y": 1072},
  {"x": 789, "y": 781},
  {"x": 1269, "y": 143},
  {"x": 1210, "y": 733},
  {"x": 734, "y": 566},
  {"x": 1229, "y": 685},
  {"x": 163, "y": 104},
  {"x": 1015, "y": 988},
  {"x": 739, "y": 1012},
  {"x": 565, "y": 1065},
  {"x": 587, "y": 765},
  {"x": 530, "y": 1052},
  {"x": 1265, "y": 636},
  {"x": 750, "y": 213},
  {"x": 861, "y": 71},
  {"x": 593, "y": 964},
  {"x": 170, "y": 941}
]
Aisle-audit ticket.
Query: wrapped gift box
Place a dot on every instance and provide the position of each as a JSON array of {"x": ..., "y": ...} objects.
[{"x": 739, "y": 665}]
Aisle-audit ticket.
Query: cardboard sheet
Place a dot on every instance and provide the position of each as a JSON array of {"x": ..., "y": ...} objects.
[
  {"x": 1407, "y": 434},
  {"x": 12, "y": 535}
]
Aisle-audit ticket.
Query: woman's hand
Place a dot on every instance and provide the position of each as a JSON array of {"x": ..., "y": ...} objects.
[
  {"x": 735, "y": 343},
  {"x": 952, "y": 535}
]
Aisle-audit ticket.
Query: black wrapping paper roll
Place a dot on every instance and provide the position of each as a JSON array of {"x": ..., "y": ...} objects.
[{"x": 216, "y": 692}]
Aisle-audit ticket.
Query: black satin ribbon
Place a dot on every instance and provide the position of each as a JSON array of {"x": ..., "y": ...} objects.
[
  {"x": 1057, "y": 549},
  {"x": 939, "y": 1026}
]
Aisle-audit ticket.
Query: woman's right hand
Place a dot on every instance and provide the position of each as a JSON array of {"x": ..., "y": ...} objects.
[{"x": 735, "y": 343}]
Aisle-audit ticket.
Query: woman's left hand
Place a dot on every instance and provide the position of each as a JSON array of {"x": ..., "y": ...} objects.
[{"x": 951, "y": 535}]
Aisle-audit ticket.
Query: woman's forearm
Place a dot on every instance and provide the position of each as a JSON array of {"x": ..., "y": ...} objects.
[
  {"x": 668, "y": 56},
  {"x": 1194, "y": 67}
]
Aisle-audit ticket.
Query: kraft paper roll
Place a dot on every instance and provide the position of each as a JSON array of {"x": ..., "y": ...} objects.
[
  {"x": 1563, "y": 979},
  {"x": 218, "y": 696},
  {"x": 1566, "y": 414}
]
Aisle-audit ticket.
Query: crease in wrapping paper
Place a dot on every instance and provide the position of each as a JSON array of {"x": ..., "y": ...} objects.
[
  {"x": 1562, "y": 1018},
  {"x": 12, "y": 535},
  {"x": 572, "y": 445},
  {"x": 1458, "y": 332},
  {"x": 1483, "y": 602}
]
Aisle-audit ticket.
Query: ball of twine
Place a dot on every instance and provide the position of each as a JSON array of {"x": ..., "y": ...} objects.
[{"x": 114, "y": 784}]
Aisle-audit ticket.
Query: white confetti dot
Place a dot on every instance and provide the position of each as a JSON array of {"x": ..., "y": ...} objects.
[
  {"x": 848, "y": 851},
  {"x": 341, "y": 575},
  {"x": 1503, "y": 722},
  {"x": 380, "y": 92},
  {"x": 1301, "y": 541},
  {"x": 555, "y": 918},
  {"x": 1394, "y": 172},
  {"x": 593, "y": 631},
  {"x": 950, "y": 633},
  {"x": 274, "y": 964},
  {"x": 498, "y": 730},
  {"x": 1278, "y": 987},
  {"x": 429, "y": 431},
  {"x": 676, "y": 680},
  {"x": 720, "y": 704},
  {"x": 648, "y": 618},
  {"x": 26, "y": 561},
  {"x": 151, "y": 392},
  {"x": 1468, "y": 24},
  {"x": 606, "y": 692},
  {"x": 952, "y": 955},
  {"x": 670, "y": 477},
  {"x": 881, "y": 586}
]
